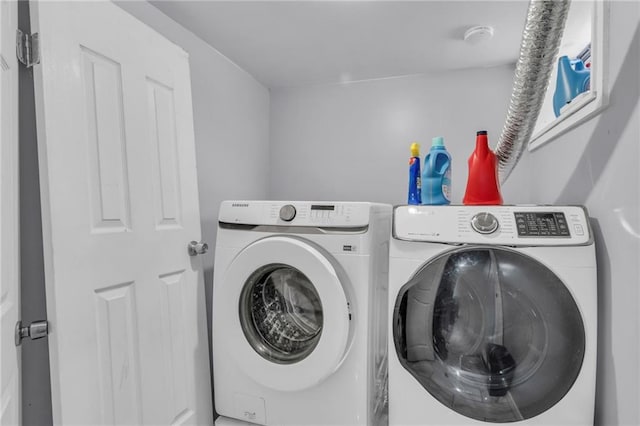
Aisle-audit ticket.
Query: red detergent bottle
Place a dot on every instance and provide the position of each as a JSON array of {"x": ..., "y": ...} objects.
[{"x": 482, "y": 184}]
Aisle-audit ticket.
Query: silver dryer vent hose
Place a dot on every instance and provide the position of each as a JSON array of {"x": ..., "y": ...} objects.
[{"x": 540, "y": 43}]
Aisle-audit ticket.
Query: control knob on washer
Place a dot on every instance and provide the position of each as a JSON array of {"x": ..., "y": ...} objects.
[
  {"x": 287, "y": 213},
  {"x": 484, "y": 223}
]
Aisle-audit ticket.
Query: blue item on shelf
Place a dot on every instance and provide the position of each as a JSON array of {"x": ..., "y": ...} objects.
[
  {"x": 573, "y": 79},
  {"x": 414, "y": 175},
  {"x": 436, "y": 176}
]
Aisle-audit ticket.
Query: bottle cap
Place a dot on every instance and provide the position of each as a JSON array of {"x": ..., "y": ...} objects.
[
  {"x": 481, "y": 132},
  {"x": 437, "y": 141},
  {"x": 415, "y": 149}
]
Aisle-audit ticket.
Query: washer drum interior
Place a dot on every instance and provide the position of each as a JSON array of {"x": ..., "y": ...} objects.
[{"x": 281, "y": 313}]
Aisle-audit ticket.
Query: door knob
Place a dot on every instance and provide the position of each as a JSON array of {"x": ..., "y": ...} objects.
[
  {"x": 35, "y": 330},
  {"x": 196, "y": 248}
]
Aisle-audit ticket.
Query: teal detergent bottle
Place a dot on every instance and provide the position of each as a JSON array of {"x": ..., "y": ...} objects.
[
  {"x": 573, "y": 79},
  {"x": 436, "y": 177}
]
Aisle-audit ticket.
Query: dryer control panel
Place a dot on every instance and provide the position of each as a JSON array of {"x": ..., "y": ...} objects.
[
  {"x": 537, "y": 224},
  {"x": 508, "y": 225}
]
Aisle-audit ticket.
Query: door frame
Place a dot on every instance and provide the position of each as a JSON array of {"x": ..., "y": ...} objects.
[{"x": 9, "y": 170}]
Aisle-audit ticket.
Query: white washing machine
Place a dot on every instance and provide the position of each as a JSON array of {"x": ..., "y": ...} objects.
[
  {"x": 493, "y": 316},
  {"x": 299, "y": 312}
]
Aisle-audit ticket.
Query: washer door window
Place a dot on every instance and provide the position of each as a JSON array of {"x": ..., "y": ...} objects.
[
  {"x": 281, "y": 313},
  {"x": 491, "y": 333},
  {"x": 286, "y": 315}
]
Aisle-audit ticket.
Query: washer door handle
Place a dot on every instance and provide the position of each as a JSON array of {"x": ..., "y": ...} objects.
[{"x": 195, "y": 248}]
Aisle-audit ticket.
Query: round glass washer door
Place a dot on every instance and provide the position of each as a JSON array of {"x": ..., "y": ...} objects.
[
  {"x": 490, "y": 333},
  {"x": 281, "y": 313},
  {"x": 286, "y": 313}
]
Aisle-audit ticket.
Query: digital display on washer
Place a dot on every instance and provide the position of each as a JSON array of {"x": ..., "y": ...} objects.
[
  {"x": 322, "y": 207},
  {"x": 548, "y": 224}
]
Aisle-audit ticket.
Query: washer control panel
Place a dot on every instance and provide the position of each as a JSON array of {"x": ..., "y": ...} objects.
[
  {"x": 297, "y": 213},
  {"x": 508, "y": 225}
]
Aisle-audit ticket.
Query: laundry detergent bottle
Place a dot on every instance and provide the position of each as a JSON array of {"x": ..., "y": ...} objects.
[
  {"x": 573, "y": 79},
  {"x": 436, "y": 176},
  {"x": 414, "y": 175},
  {"x": 482, "y": 183}
]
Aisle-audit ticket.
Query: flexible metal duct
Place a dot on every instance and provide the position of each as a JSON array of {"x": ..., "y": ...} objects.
[{"x": 540, "y": 42}]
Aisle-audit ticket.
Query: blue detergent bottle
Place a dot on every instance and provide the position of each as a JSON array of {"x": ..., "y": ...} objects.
[
  {"x": 573, "y": 79},
  {"x": 414, "y": 175},
  {"x": 436, "y": 177}
]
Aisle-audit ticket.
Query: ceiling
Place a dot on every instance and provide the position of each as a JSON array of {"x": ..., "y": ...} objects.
[{"x": 295, "y": 43}]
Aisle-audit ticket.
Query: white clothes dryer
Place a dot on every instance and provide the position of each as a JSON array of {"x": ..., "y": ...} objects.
[
  {"x": 299, "y": 312},
  {"x": 493, "y": 316}
]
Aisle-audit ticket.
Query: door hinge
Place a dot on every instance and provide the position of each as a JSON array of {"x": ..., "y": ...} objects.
[
  {"x": 35, "y": 330},
  {"x": 27, "y": 48}
]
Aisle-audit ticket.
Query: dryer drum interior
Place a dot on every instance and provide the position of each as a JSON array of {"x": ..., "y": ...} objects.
[{"x": 491, "y": 333}]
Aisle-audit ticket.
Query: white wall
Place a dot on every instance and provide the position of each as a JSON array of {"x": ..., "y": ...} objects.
[
  {"x": 351, "y": 141},
  {"x": 597, "y": 165}
]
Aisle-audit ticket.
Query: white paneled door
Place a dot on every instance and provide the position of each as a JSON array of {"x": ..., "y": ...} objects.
[
  {"x": 9, "y": 249},
  {"x": 126, "y": 306}
]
